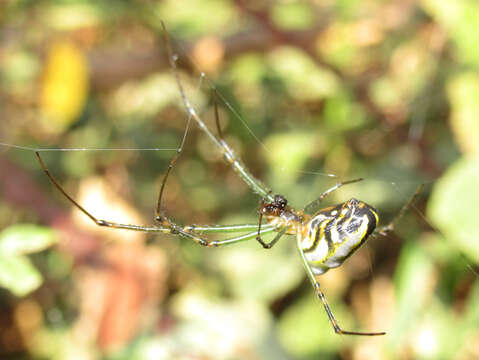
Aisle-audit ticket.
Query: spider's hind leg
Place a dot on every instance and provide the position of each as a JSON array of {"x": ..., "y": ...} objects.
[
  {"x": 320, "y": 294},
  {"x": 386, "y": 229}
]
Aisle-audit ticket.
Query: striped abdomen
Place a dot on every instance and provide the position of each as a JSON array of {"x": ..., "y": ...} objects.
[{"x": 334, "y": 233}]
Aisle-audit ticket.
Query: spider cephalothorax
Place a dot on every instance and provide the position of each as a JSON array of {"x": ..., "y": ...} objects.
[
  {"x": 275, "y": 207},
  {"x": 279, "y": 215}
]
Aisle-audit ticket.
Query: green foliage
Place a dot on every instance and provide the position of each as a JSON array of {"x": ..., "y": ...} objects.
[
  {"x": 17, "y": 273},
  {"x": 457, "y": 17},
  {"x": 452, "y": 207},
  {"x": 305, "y": 331},
  {"x": 310, "y": 93},
  {"x": 463, "y": 91}
]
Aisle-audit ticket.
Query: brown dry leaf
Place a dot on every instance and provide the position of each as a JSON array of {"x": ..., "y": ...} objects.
[{"x": 122, "y": 297}]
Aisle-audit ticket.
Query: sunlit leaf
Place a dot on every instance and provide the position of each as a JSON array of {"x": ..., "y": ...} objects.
[
  {"x": 304, "y": 79},
  {"x": 342, "y": 114},
  {"x": 288, "y": 154},
  {"x": 72, "y": 16},
  {"x": 458, "y": 18},
  {"x": 18, "y": 275},
  {"x": 214, "y": 328},
  {"x": 253, "y": 273},
  {"x": 413, "y": 273},
  {"x": 453, "y": 206},
  {"x": 25, "y": 239},
  {"x": 293, "y": 15},
  {"x": 197, "y": 16},
  {"x": 463, "y": 91},
  {"x": 304, "y": 329}
]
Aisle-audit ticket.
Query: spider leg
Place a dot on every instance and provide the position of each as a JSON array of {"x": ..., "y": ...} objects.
[
  {"x": 223, "y": 228},
  {"x": 251, "y": 235},
  {"x": 272, "y": 242},
  {"x": 158, "y": 215},
  {"x": 217, "y": 116},
  {"x": 99, "y": 222},
  {"x": 313, "y": 205},
  {"x": 229, "y": 155},
  {"x": 320, "y": 294},
  {"x": 386, "y": 229},
  {"x": 166, "y": 226}
]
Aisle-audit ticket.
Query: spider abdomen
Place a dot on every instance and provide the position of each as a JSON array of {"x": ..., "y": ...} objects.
[{"x": 334, "y": 233}]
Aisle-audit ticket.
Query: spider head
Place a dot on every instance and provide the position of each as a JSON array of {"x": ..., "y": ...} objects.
[
  {"x": 280, "y": 202},
  {"x": 275, "y": 207}
]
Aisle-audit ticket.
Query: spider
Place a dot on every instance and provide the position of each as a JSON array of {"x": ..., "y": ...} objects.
[{"x": 325, "y": 238}]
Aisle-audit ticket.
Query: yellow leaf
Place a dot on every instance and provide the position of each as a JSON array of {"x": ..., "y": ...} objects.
[{"x": 65, "y": 85}]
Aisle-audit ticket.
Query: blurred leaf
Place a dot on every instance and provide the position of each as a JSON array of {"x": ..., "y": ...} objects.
[
  {"x": 463, "y": 91},
  {"x": 304, "y": 329},
  {"x": 471, "y": 313},
  {"x": 304, "y": 79},
  {"x": 288, "y": 153},
  {"x": 195, "y": 17},
  {"x": 248, "y": 70},
  {"x": 141, "y": 98},
  {"x": 337, "y": 45},
  {"x": 65, "y": 85},
  {"x": 341, "y": 113},
  {"x": 460, "y": 18},
  {"x": 18, "y": 275},
  {"x": 72, "y": 16},
  {"x": 412, "y": 280},
  {"x": 293, "y": 15},
  {"x": 19, "y": 68},
  {"x": 453, "y": 206},
  {"x": 253, "y": 273},
  {"x": 213, "y": 328},
  {"x": 385, "y": 92},
  {"x": 25, "y": 239}
]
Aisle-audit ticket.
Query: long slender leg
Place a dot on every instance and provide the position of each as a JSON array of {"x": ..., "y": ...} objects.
[
  {"x": 237, "y": 239},
  {"x": 313, "y": 205},
  {"x": 384, "y": 230},
  {"x": 97, "y": 221},
  {"x": 167, "y": 227},
  {"x": 223, "y": 228},
  {"x": 172, "y": 163},
  {"x": 229, "y": 155},
  {"x": 332, "y": 319},
  {"x": 260, "y": 222},
  {"x": 272, "y": 242},
  {"x": 211, "y": 243},
  {"x": 158, "y": 215}
]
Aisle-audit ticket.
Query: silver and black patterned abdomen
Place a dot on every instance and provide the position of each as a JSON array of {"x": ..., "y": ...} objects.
[{"x": 334, "y": 233}]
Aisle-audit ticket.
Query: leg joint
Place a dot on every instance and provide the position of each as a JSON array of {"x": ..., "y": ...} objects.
[{"x": 102, "y": 223}]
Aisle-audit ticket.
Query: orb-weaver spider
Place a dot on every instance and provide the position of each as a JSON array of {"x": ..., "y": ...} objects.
[{"x": 325, "y": 237}]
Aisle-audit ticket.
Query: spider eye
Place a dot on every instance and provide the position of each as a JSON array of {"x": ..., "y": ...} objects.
[{"x": 280, "y": 201}]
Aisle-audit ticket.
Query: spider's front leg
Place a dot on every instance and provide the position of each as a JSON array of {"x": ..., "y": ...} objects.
[
  {"x": 277, "y": 208},
  {"x": 260, "y": 221}
]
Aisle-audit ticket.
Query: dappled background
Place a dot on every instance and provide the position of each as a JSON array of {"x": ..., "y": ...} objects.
[{"x": 310, "y": 93}]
